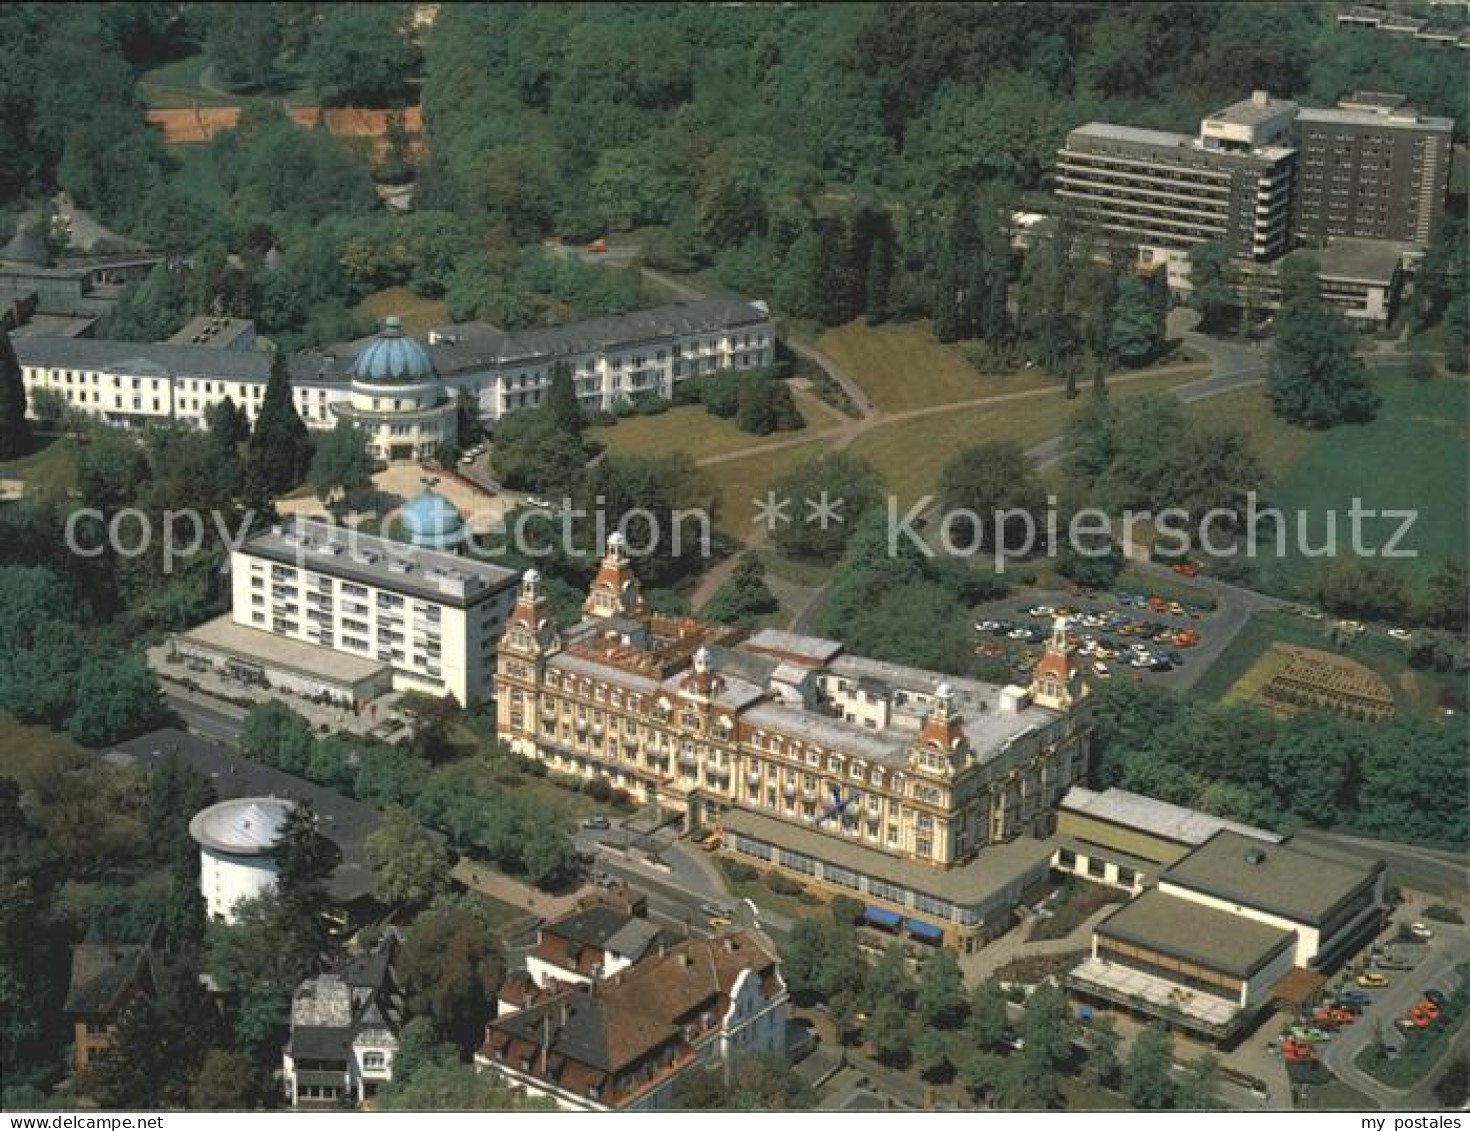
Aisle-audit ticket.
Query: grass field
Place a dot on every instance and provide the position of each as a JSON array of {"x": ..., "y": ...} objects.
[
  {"x": 30, "y": 751},
  {"x": 1258, "y": 675},
  {"x": 737, "y": 484},
  {"x": 690, "y": 429},
  {"x": 419, "y": 314},
  {"x": 1418, "y": 693},
  {"x": 1415, "y": 456},
  {"x": 902, "y": 366},
  {"x": 176, "y": 86},
  {"x": 50, "y": 471},
  {"x": 1278, "y": 445},
  {"x": 910, "y": 454}
]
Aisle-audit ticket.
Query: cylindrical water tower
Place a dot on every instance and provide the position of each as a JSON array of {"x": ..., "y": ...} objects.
[{"x": 237, "y": 841}]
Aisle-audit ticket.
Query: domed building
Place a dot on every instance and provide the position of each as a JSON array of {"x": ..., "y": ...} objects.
[
  {"x": 397, "y": 397},
  {"x": 431, "y": 522},
  {"x": 237, "y": 842}
]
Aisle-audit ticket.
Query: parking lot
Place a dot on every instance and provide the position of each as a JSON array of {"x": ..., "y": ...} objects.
[{"x": 1124, "y": 635}]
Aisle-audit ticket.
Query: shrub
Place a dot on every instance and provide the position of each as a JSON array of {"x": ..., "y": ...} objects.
[
  {"x": 740, "y": 873},
  {"x": 1442, "y": 914},
  {"x": 782, "y": 884}
]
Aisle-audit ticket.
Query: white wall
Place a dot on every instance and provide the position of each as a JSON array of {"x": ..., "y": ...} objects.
[{"x": 225, "y": 880}]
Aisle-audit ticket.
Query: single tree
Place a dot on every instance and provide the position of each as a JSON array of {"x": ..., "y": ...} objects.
[
  {"x": 1209, "y": 280},
  {"x": 988, "y": 1021},
  {"x": 412, "y": 866},
  {"x": 1148, "y": 1080},
  {"x": 1314, "y": 379},
  {"x": 280, "y": 446},
  {"x": 941, "y": 989},
  {"x": 341, "y": 463},
  {"x": 1103, "y": 1043}
]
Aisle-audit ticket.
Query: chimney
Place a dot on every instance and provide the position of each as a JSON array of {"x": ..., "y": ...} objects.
[{"x": 1260, "y": 97}]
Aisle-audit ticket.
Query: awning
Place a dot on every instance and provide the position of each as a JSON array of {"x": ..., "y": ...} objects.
[
  {"x": 881, "y": 918},
  {"x": 923, "y": 930}
]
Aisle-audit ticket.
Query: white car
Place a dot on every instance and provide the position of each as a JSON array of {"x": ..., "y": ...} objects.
[
  {"x": 1401, "y": 634},
  {"x": 538, "y": 503},
  {"x": 986, "y": 625},
  {"x": 1312, "y": 614},
  {"x": 466, "y": 459},
  {"x": 1421, "y": 931},
  {"x": 1018, "y": 634}
]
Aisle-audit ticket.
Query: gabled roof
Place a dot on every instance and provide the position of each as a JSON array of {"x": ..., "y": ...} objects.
[{"x": 102, "y": 972}]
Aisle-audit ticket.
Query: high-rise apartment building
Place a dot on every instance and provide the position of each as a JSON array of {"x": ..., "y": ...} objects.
[
  {"x": 1261, "y": 176},
  {"x": 1232, "y": 182},
  {"x": 1373, "y": 168}
]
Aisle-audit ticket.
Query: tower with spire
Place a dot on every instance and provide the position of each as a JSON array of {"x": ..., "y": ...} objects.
[
  {"x": 942, "y": 746},
  {"x": 1056, "y": 681},
  {"x": 531, "y": 630},
  {"x": 615, "y": 591}
]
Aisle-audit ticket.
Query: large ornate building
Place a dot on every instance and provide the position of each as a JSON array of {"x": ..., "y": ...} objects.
[
  {"x": 918, "y": 791},
  {"x": 406, "y": 394}
]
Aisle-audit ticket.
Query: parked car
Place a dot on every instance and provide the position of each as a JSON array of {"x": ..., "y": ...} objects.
[
  {"x": 1185, "y": 569},
  {"x": 1436, "y": 997},
  {"x": 1401, "y": 634},
  {"x": 1372, "y": 981},
  {"x": 1309, "y": 1033},
  {"x": 1421, "y": 931},
  {"x": 596, "y": 823}
]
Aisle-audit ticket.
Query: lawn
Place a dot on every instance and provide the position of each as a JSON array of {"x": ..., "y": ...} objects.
[
  {"x": 910, "y": 454},
  {"x": 1332, "y": 1096},
  {"x": 690, "y": 429},
  {"x": 810, "y": 906},
  {"x": 50, "y": 470},
  {"x": 738, "y": 483},
  {"x": 30, "y": 751},
  {"x": 1415, "y": 692},
  {"x": 1414, "y": 457},
  {"x": 419, "y": 314},
  {"x": 1278, "y": 445},
  {"x": 176, "y": 86},
  {"x": 902, "y": 366}
]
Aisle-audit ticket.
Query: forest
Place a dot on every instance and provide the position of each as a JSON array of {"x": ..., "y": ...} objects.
[{"x": 836, "y": 159}]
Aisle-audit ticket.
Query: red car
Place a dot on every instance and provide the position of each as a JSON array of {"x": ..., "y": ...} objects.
[{"x": 1185, "y": 569}]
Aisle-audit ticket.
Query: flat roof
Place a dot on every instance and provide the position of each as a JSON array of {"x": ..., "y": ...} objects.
[
  {"x": 339, "y": 551},
  {"x": 1122, "y": 983},
  {"x": 1359, "y": 261},
  {"x": 1401, "y": 117},
  {"x": 212, "y": 332},
  {"x": 1183, "y": 929},
  {"x": 1111, "y": 131},
  {"x": 1297, "y": 883},
  {"x": 225, "y": 635},
  {"x": 1157, "y": 818},
  {"x": 816, "y": 650},
  {"x": 994, "y": 869},
  {"x": 1249, "y": 112}
]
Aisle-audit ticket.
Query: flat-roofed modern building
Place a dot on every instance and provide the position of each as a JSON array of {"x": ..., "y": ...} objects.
[
  {"x": 402, "y": 391},
  {"x": 1126, "y": 839},
  {"x": 1205, "y": 971},
  {"x": 321, "y": 610},
  {"x": 1371, "y": 168},
  {"x": 1231, "y": 927},
  {"x": 1327, "y": 898},
  {"x": 1231, "y": 182}
]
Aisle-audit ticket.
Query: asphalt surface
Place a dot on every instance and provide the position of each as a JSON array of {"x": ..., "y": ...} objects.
[
  {"x": 347, "y": 823},
  {"x": 1449, "y": 948},
  {"x": 1443, "y": 869}
]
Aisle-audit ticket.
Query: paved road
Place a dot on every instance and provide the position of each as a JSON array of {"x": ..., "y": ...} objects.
[
  {"x": 1449, "y": 948},
  {"x": 1446, "y": 870},
  {"x": 210, "y": 722}
]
